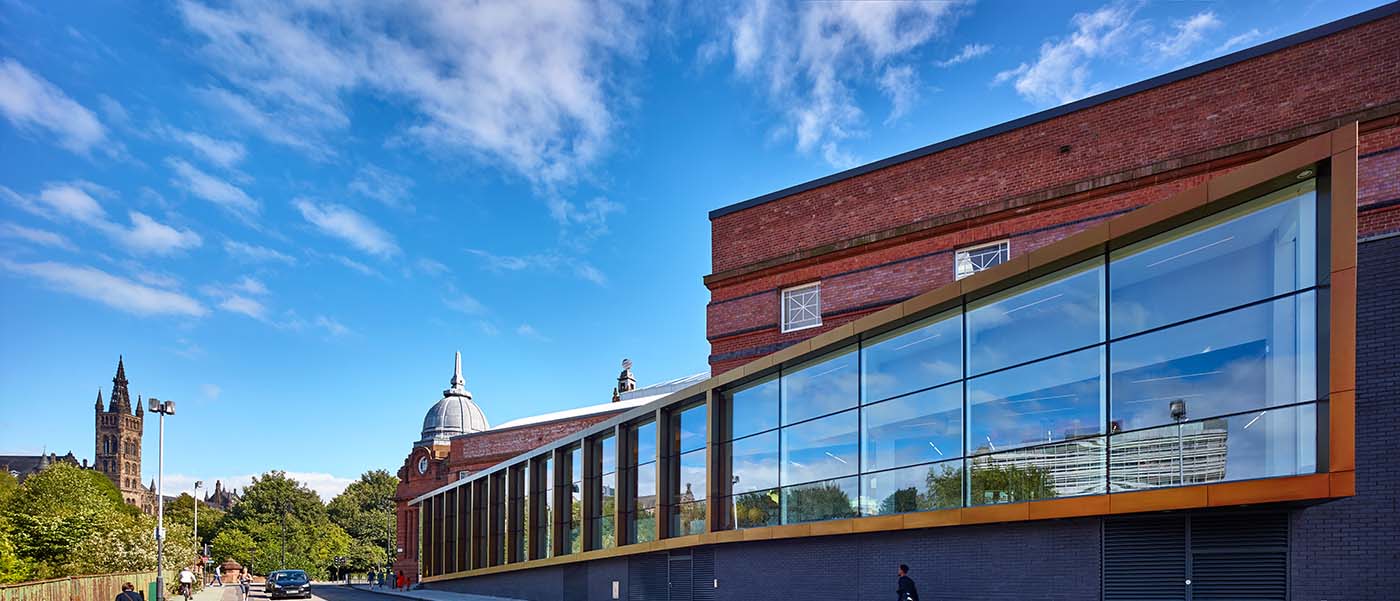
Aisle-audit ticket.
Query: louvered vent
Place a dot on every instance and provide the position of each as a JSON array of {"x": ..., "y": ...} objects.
[
  {"x": 681, "y": 576},
  {"x": 1239, "y": 557},
  {"x": 1144, "y": 559},
  {"x": 646, "y": 577},
  {"x": 703, "y": 565}
]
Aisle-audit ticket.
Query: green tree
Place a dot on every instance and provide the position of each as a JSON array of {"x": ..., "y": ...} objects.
[
  {"x": 54, "y": 511},
  {"x": 13, "y": 568},
  {"x": 822, "y": 501},
  {"x": 1009, "y": 483},
  {"x": 181, "y": 511},
  {"x": 252, "y": 532},
  {"x": 365, "y": 511}
]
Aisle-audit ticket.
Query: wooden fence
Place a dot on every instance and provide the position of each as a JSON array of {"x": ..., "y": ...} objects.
[{"x": 97, "y": 587}]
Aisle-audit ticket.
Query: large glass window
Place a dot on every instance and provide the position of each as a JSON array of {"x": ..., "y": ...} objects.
[
  {"x": 755, "y": 461},
  {"x": 916, "y": 488},
  {"x": 820, "y": 387},
  {"x": 497, "y": 515},
  {"x": 829, "y": 500},
  {"x": 919, "y": 356},
  {"x": 574, "y": 527},
  {"x": 641, "y": 470},
  {"x": 1061, "y": 469},
  {"x": 1051, "y": 400},
  {"x": 753, "y": 408},
  {"x": 516, "y": 512},
  {"x": 917, "y": 428},
  {"x": 686, "y": 497},
  {"x": 1254, "y": 251},
  {"x": 1053, "y": 314},
  {"x": 821, "y": 449},
  {"x": 1259, "y": 356},
  {"x": 604, "y": 491},
  {"x": 547, "y": 513}
]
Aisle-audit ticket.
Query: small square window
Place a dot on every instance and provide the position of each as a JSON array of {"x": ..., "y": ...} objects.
[
  {"x": 967, "y": 261},
  {"x": 802, "y": 307}
]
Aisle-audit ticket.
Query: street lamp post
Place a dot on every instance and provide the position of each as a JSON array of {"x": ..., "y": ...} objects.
[
  {"x": 163, "y": 409},
  {"x": 198, "y": 484},
  {"x": 285, "y": 507}
]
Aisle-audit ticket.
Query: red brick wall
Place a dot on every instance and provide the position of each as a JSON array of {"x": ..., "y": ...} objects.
[{"x": 1346, "y": 73}]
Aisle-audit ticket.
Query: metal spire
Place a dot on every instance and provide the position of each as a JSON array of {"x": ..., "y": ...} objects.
[{"x": 458, "y": 382}]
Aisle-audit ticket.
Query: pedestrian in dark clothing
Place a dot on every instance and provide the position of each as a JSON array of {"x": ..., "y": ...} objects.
[
  {"x": 128, "y": 593},
  {"x": 907, "y": 591}
]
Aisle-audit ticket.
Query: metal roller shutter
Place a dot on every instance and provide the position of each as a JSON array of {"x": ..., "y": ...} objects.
[
  {"x": 1239, "y": 557},
  {"x": 1144, "y": 559}
]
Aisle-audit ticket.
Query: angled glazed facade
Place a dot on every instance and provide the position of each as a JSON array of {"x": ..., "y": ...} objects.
[{"x": 1147, "y": 381}]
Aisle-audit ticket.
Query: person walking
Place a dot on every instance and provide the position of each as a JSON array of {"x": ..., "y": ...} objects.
[
  {"x": 373, "y": 578},
  {"x": 907, "y": 591},
  {"x": 186, "y": 583},
  {"x": 218, "y": 575},
  {"x": 400, "y": 581},
  {"x": 245, "y": 581},
  {"x": 128, "y": 593}
]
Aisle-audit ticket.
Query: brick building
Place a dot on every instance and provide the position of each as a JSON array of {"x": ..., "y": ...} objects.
[
  {"x": 1137, "y": 345},
  {"x": 458, "y": 440}
]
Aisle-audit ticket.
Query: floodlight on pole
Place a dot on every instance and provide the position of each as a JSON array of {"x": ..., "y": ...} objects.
[{"x": 163, "y": 409}]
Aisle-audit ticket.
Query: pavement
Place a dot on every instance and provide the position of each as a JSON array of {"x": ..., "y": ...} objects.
[
  {"x": 335, "y": 591},
  {"x": 428, "y": 595}
]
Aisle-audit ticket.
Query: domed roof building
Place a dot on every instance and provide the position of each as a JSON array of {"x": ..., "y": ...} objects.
[{"x": 455, "y": 414}]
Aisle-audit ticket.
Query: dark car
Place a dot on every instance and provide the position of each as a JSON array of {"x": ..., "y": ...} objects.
[{"x": 288, "y": 583}]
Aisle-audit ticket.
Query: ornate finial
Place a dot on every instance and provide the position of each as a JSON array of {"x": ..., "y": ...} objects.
[
  {"x": 625, "y": 381},
  {"x": 459, "y": 384},
  {"x": 99, "y": 400}
]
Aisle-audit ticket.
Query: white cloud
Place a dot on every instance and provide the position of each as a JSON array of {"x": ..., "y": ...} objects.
[
  {"x": 331, "y": 326},
  {"x": 345, "y": 223},
  {"x": 808, "y": 57},
  {"x": 35, "y": 236},
  {"x": 355, "y": 265},
  {"x": 30, "y": 102},
  {"x": 1187, "y": 35},
  {"x": 224, "y": 153},
  {"x": 431, "y": 267},
  {"x": 1061, "y": 73},
  {"x": 968, "y": 53},
  {"x": 901, "y": 85},
  {"x": 256, "y": 254},
  {"x": 243, "y": 305},
  {"x": 525, "y": 84},
  {"x": 383, "y": 186},
  {"x": 74, "y": 202},
  {"x": 526, "y": 330},
  {"x": 211, "y": 391},
  {"x": 213, "y": 189},
  {"x": 251, "y": 286},
  {"x": 544, "y": 262},
  {"x": 114, "y": 291},
  {"x": 1240, "y": 41},
  {"x": 463, "y": 302}
]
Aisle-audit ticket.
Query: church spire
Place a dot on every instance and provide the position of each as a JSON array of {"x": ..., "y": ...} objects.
[
  {"x": 98, "y": 407},
  {"x": 121, "y": 399}
]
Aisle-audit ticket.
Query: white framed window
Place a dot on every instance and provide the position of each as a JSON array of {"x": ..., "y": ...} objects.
[
  {"x": 802, "y": 307},
  {"x": 970, "y": 260}
]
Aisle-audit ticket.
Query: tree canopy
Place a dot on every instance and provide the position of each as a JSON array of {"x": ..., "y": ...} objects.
[
  {"x": 365, "y": 510},
  {"x": 280, "y": 523}
]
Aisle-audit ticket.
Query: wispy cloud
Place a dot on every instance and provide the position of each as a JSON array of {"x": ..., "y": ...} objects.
[
  {"x": 223, "y": 194},
  {"x": 31, "y": 103},
  {"x": 968, "y": 53},
  {"x": 238, "y": 297},
  {"x": 1240, "y": 41},
  {"x": 1187, "y": 34},
  {"x": 430, "y": 267},
  {"x": 114, "y": 291},
  {"x": 526, "y": 330},
  {"x": 35, "y": 236},
  {"x": 388, "y": 188},
  {"x": 211, "y": 391},
  {"x": 355, "y": 265},
  {"x": 74, "y": 203},
  {"x": 331, "y": 326},
  {"x": 809, "y": 58},
  {"x": 224, "y": 153},
  {"x": 901, "y": 85},
  {"x": 345, "y": 223},
  {"x": 542, "y": 108},
  {"x": 1062, "y": 72},
  {"x": 544, "y": 262},
  {"x": 256, "y": 254}
]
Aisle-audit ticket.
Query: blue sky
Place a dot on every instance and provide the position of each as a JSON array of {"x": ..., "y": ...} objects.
[{"x": 287, "y": 216}]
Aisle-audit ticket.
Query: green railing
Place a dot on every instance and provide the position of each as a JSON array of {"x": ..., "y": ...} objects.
[{"x": 98, "y": 587}]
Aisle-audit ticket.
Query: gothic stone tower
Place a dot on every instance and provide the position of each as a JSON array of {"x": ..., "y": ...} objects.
[{"x": 118, "y": 442}]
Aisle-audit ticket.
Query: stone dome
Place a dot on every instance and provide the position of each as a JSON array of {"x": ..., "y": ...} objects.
[{"x": 453, "y": 415}]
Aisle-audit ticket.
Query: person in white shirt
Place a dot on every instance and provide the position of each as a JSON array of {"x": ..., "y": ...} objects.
[{"x": 186, "y": 582}]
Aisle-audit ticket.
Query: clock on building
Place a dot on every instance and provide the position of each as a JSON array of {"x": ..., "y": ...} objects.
[{"x": 423, "y": 464}]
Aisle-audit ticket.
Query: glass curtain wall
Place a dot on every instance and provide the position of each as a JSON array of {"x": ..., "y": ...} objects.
[
  {"x": 497, "y": 511},
  {"x": 686, "y": 462},
  {"x": 515, "y": 513},
  {"x": 1186, "y": 358},
  {"x": 573, "y": 528},
  {"x": 602, "y": 490},
  {"x": 545, "y": 533}
]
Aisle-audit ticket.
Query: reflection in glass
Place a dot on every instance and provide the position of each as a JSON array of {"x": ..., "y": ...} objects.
[
  {"x": 919, "y": 356},
  {"x": 1055, "y": 399},
  {"x": 821, "y": 449},
  {"x": 690, "y": 486},
  {"x": 691, "y": 427},
  {"x": 1052, "y": 314},
  {"x": 547, "y": 515},
  {"x": 607, "y": 454},
  {"x": 645, "y": 518},
  {"x": 1258, "y": 444},
  {"x": 643, "y": 443},
  {"x": 755, "y": 461},
  {"x": 606, "y": 526},
  {"x": 688, "y": 518},
  {"x": 754, "y": 408},
  {"x": 918, "y": 488},
  {"x": 918, "y": 428},
  {"x": 575, "y": 518},
  {"x": 755, "y": 509},
  {"x": 1056, "y": 470},
  {"x": 829, "y": 500},
  {"x": 821, "y": 387},
  {"x": 1258, "y": 356},
  {"x": 1254, "y": 251}
]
